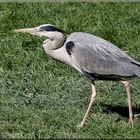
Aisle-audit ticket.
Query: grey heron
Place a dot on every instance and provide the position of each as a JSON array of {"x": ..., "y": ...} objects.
[{"x": 94, "y": 57}]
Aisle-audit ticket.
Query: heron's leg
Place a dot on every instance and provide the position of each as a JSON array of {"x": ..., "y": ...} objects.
[
  {"x": 127, "y": 87},
  {"x": 92, "y": 99}
]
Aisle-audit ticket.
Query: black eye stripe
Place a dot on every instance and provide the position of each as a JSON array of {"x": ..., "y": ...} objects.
[{"x": 50, "y": 28}]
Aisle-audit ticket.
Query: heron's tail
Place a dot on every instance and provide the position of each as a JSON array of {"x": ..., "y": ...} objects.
[
  {"x": 136, "y": 68},
  {"x": 138, "y": 74}
]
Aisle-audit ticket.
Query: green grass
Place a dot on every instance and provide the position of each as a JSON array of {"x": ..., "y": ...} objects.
[{"x": 42, "y": 98}]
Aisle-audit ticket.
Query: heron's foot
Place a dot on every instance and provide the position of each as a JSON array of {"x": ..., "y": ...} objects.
[
  {"x": 80, "y": 125},
  {"x": 130, "y": 122}
]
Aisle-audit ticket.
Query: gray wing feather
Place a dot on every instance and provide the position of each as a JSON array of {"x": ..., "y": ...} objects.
[{"x": 96, "y": 55}]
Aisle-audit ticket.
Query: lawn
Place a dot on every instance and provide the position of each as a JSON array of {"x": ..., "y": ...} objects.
[{"x": 43, "y": 98}]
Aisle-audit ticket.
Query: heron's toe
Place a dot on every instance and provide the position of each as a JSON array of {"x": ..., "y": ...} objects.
[{"x": 137, "y": 115}]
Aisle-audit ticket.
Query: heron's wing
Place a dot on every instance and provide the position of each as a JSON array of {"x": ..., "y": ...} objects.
[{"x": 97, "y": 56}]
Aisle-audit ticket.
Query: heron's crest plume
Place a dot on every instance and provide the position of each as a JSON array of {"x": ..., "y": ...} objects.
[{"x": 49, "y": 27}]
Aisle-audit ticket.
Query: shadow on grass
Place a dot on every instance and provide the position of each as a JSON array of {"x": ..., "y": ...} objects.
[{"x": 121, "y": 110}]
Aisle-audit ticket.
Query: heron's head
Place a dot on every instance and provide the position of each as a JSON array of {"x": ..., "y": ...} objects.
[{"x": 47, "y": 30}]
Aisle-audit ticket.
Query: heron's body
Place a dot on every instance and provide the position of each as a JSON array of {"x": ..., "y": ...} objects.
[{"x": 93, "y": 56}]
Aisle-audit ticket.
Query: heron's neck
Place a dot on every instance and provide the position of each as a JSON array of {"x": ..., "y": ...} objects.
[
  {"x": 53, "y": 46},
  {"x": 55, "y": 41}
]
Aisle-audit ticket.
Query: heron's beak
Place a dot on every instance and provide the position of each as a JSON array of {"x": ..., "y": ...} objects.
[{"x": 28, "y": 30}]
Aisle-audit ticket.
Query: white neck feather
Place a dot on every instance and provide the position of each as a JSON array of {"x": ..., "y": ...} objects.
[
  {"x": 54, "y": 47},
  {"x": 55, "y": 41}
]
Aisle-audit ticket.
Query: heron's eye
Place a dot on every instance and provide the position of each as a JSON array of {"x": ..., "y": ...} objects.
[{"x": 41, "y": 29}]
